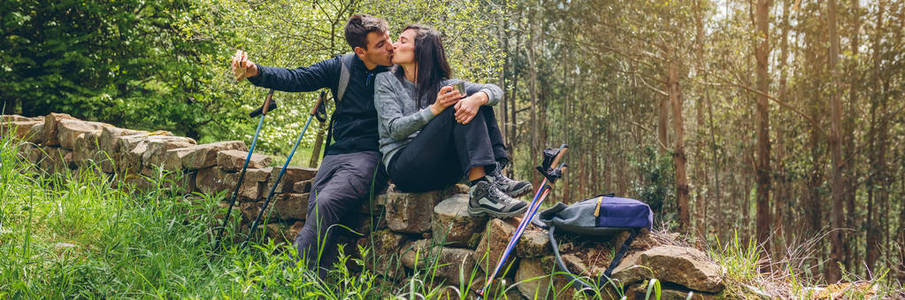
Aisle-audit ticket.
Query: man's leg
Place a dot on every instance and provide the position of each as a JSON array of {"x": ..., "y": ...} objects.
[{"x": 340, "y": 186}]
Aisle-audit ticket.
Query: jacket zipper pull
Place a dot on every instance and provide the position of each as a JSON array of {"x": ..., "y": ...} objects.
[{"x": 597, "y": 210}]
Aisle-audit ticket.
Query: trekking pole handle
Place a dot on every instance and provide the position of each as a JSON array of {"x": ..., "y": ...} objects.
[
  {"x": 267, "y": 101},
  {"x": 559, "y": 156},
  {"x": 269, "y": 105},
  {"x": 320, "y": 101}
]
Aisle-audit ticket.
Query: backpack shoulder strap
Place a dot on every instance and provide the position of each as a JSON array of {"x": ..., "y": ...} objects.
[
  {"x": 346, "y": 61},
  {"x": 584, "y": 286}
]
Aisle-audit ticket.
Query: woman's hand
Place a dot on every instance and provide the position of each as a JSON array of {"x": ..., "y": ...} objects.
[
  {"x": 468, "y": 107},
  {"x": 446, "y": 97},
  {"x": 242, "y": 67}
]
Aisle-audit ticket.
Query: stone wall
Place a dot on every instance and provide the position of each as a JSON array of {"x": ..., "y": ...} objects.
[
  {"x": 411, "y": 230},
  {"x": 58, "y": 141}
]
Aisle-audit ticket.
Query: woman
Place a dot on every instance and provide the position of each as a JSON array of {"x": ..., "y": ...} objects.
[{"x": 431, "y": 136}]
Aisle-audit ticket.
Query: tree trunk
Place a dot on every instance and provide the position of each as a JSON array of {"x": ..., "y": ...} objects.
[
  {"x": 661, "y": 124},
  {"x": 716, "y": 169},
  {"x": 848, "y": 145},
  {"x": 675, "y": 97},
  {"x": 700, "y": 201},
  {"x": 901, "y": 235},
  {"x": 513, "y": 101},
  {"x": 781, "y": 192},
  {"x": 761, "y": 54},
  {"x": 814, "y": 213},
  {"x": 532, "y": 73},
  {"x": 837, "y": 246},
  {"x": 318, "y": 143},
  {"x": 877, "y": 183}
]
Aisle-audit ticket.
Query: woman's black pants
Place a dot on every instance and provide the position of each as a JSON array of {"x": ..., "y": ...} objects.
[{"x": 443, "y": 152}]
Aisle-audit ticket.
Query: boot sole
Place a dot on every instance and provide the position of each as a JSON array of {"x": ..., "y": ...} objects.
[{"x": 480, "y": 211}]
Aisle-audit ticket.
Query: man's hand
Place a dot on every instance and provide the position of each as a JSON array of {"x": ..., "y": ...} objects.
[
  {"x": 468, "y": 107},
  {"x": 242, "y": 67},
  {"x": 445, "y": 97}
]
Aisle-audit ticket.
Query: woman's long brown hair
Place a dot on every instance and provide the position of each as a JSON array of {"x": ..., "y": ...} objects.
[{"x": 432, "y": 67}]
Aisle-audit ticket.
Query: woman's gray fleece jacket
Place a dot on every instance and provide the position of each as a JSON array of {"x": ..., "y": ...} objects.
[{"x": 400, "y": 119}]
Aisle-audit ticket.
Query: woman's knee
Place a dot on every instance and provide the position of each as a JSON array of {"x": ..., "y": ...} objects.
[{"x": 449, "y": 112}]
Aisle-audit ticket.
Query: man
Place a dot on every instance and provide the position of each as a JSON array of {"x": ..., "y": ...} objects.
[{"x": 343, "y": 180}]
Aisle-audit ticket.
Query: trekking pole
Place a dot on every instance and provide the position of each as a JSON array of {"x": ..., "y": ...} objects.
[
  {"x": 276, "y": 182},
  {"x": 550, "y": 175},
  {"x": 269, "y": 104}
]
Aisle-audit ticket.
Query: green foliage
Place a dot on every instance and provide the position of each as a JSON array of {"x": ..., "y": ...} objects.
[
  {"x": 656, "y": 187},
  {"x": 135, "y": 63},
  {"x": 165, "y": 64},
  {"x": 300, "y": 33}
]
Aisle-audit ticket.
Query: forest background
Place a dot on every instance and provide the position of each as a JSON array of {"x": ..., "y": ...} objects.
[{"x": 781, "y": 121}]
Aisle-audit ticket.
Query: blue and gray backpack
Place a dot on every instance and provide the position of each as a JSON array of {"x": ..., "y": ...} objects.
[{"x": 602, "y": 216}]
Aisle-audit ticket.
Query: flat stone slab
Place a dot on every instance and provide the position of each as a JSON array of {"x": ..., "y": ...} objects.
[
  {"x": 157, "y": 147},
  {"x": 292, "y": 175},
  {"x": 250, "y": 190},
  {"x": 290, "y": 206},
  {"x": 684, "y": 266},
  {"x": 452, "y": 225},
  {"x": 205, "y": 155},
  {"x": 639, "y": 292},
  {"x": 211, "y": 181},
  {"x": 21, "y": 127},
  {"x": 302, "y": 186},
  {"x": 533, "y": 243},
  {"x": 147, "y": 150},
  {"x": 450, "y": 261},
  {"x": 494, "y": 239},
  {"x": 69, "y": 129},
  {"x": 35, "y": 134},
  {"x": 109, "y": 146},
  {"x": 51, "y": 123},
  {"x": 383, "y": 257},
  {"x": 233, "y": 160},
  {"x": 535, "y": 272},
  {"x": 411, "y": 212},
  {"x": 259, "y": 175}
]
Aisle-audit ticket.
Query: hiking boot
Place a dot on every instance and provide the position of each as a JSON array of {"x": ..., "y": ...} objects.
[
  {"x": 513, "y": 188},
  {"x": 485, "y": 198}
]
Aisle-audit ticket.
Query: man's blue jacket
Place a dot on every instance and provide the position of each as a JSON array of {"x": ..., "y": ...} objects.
[{"x": 355, "y": 120}]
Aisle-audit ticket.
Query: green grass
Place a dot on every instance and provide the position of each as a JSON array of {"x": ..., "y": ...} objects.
[
  {"x": 83, "y": 234},
  {"x": 749, "y": 275}
]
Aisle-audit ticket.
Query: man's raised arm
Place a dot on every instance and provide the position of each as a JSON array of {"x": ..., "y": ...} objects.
[{"x": 303, "y": 79}]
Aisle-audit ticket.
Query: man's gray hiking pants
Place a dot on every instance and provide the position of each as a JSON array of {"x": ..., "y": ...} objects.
[{"x": 341, "y": 186}]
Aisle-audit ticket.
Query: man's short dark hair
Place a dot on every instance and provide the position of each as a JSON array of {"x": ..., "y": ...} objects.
[{"x": 359, "y": 26}]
